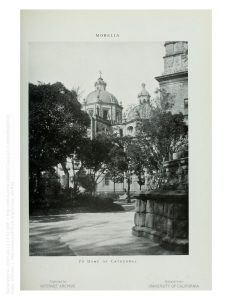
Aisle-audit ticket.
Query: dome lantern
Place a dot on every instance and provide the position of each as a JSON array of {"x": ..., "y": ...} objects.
[
  {"x": 100, "y": 84},
  {"x": 144, "y": 96},
  {"x": 100, "y": 94}
]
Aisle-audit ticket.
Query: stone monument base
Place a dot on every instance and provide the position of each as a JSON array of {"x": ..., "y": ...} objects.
[
  {"x": 163, "y": 217},
  {"x": 181, "y": 245}
]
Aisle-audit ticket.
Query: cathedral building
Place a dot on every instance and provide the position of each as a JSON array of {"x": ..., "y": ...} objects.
[
  {"x": 106, "y": 112},
  {"x": 106, "y": 115}
]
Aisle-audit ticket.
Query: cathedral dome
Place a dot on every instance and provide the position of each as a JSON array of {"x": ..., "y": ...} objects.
[
  {"x": 100, "y": 94},
  {"x": 142, "y": 111}
]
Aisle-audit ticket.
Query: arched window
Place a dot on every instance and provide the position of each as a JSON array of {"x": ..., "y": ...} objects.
[{"x": 130, "y": 129}]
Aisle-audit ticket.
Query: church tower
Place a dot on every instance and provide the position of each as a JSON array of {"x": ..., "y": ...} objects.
[{"x": 174, "y": 79}]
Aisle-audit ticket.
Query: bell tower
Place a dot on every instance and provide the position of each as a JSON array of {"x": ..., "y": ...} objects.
[
  {"x": 174, "y": 79},
  {"x": 176, "y": 57}
]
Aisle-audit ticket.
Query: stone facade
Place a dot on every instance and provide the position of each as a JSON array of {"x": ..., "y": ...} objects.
[
  {"x": 176, "y": 57},
  {"x": 163, "y": 216},
  {"x": 174, "y": 79}
]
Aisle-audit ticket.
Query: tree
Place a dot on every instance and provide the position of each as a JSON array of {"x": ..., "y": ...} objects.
[
  {"x": 86, "y": 181},
  {"x": 95, "y": 157},
  {"x": 138, "y": 160},
  {"x": 56, "y": 125},
  {"x": 162, "y": 135},
  {"x": 127, "y": 145},
  {"x": 116, "y": 165}
]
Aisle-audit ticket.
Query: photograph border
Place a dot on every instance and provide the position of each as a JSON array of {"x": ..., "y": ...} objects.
[{"x": 66, "y": 273}]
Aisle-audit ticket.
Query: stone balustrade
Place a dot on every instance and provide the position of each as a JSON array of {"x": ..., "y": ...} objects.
[{"x": 163, "y": 216}]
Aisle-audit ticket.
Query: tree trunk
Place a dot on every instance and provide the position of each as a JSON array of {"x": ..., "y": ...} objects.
[
  {"x": 128, "y": 191},
  {"x": 39, "y": 187},
  {"x": 114, "y": 186},
  {"x": 74, "y": 177},
  {"x": 75, "y": 182},
  {"x": 63, "y": 164},
  {"x": 94, "y": 185}
]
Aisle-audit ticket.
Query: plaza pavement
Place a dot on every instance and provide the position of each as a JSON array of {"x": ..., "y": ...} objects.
[{"x": 89, "y": 234}]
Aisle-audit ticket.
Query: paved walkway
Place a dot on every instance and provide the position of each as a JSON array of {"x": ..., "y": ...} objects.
[{"x": 89, "y": 234}]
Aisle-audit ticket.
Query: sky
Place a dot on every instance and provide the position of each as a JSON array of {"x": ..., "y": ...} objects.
[{"x": 124, "y": 66}]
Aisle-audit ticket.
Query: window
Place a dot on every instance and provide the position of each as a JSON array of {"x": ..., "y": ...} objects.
[
  {"x": 107, "y": 180},
  {"x": 130, "y": 129},
  {"x": 118, "y": 117},
  {"x": 105, "y": 114}
]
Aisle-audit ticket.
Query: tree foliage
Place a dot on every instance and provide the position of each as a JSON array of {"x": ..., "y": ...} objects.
[
  {"x": 117, "y": 164},
  {"x": 95, "y": 157},
  {"x": 163, "y": 134},
  {"x": 56, "y": 125},
  {"x": 58, "y": 130}
]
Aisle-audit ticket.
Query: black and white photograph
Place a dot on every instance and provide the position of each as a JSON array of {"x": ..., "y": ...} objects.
[
  {"x": 115, "y": 153},
  {"x": 108, "y": 148}
]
